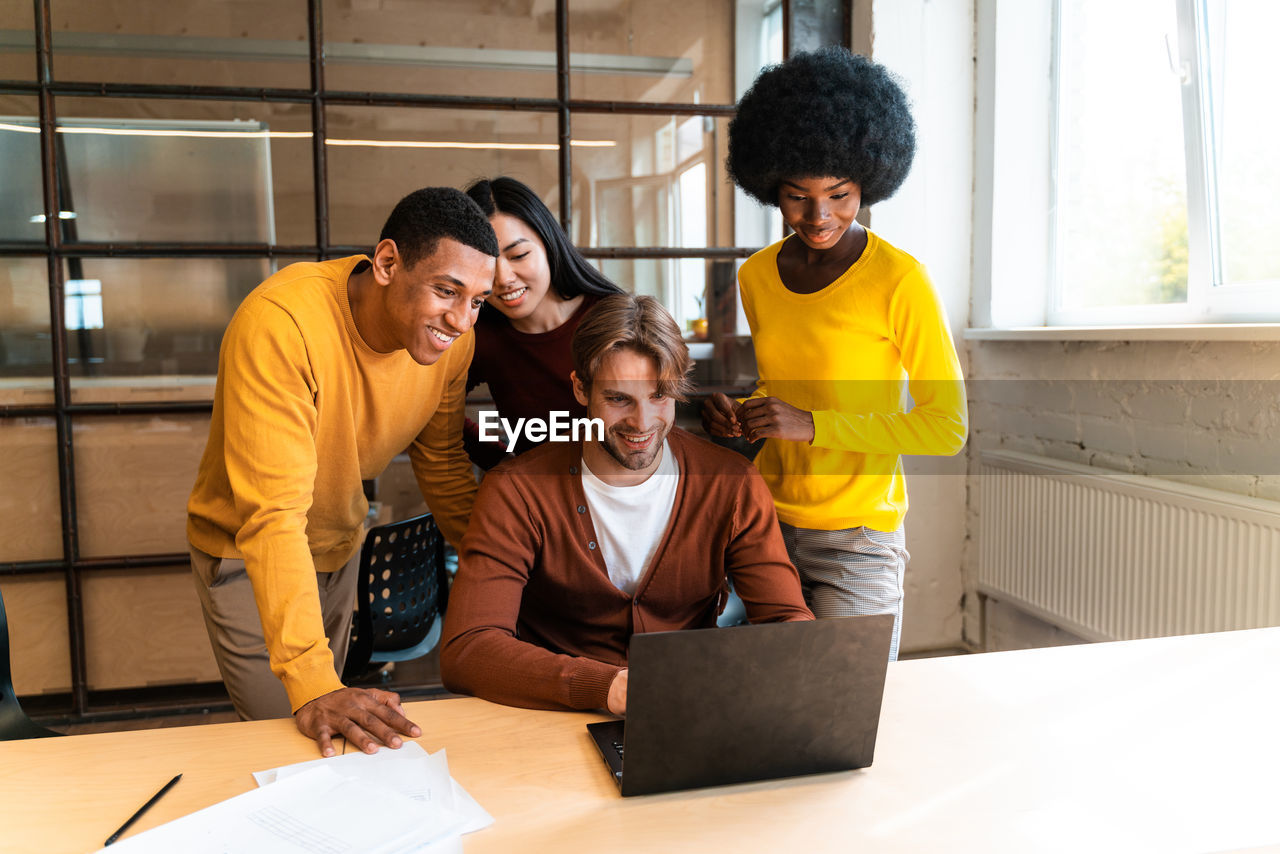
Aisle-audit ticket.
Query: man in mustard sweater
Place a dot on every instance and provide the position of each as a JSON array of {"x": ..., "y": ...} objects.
[{"x": 326, "y": 372}]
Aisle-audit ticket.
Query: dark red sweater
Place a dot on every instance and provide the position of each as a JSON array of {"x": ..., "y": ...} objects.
[
  {"x": 533, "y": 619},
  {"x": 527, "y": 375}
]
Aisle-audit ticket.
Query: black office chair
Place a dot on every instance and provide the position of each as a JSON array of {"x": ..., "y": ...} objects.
[
  {"x": 14, "y": 723},
  {"x": 401, "y": 595}
]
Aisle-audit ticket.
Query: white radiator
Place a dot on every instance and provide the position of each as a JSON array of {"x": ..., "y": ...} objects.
[{"x": 1110, "y": 556}]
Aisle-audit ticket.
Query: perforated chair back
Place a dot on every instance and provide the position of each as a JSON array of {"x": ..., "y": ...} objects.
[
  {"x": 14, "y": 723},
  {"x": 401, "y": 594}
]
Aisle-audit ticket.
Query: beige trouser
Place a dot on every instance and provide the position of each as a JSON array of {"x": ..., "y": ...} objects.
[{"x": 235, "y": 630}]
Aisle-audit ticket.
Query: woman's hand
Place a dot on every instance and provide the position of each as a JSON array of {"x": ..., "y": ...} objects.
[
  {"x": 773, "y": 418},
  {"x": 719, "y": 417}
]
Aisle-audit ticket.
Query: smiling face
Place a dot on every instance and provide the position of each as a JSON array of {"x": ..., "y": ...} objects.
[
  {"x": 425, "y": 308},
  {"x": 523, "y": 277},
  {"x": 637, "y": 416},
  {"x": 819, "y": 210}
]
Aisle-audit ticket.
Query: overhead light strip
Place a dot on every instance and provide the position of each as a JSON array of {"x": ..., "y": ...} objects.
[
  {"x": 277, "y": 134},
  {"x": 497, "y": 146}
]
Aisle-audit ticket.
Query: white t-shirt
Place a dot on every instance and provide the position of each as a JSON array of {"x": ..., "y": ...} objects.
[{"x": 630, "y": 520}]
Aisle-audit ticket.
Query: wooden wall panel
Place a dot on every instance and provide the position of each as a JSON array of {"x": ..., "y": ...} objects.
[
  {"x": 133, "y": 477},
  {"x": 40, "y": 652},
  {"x": 150, "y": 389},
  {"x": 144, "y": 627},
  {"x": 30, "y": 520}
]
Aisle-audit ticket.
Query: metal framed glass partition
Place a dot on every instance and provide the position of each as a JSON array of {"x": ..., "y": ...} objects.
[{"x": 155, "y": 168}]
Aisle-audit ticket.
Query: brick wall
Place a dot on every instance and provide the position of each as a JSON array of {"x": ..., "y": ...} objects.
[{"x": 1201, "y": 412}]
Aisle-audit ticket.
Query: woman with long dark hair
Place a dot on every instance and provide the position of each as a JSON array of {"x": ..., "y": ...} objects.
[{"x": 542, "y": 290}]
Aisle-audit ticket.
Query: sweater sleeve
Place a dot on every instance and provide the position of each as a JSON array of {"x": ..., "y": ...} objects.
[
  {"x": 937, "y": 423},
  {"x": 439, "y": 458},
  {"x": 269, "y": 418},
  {"x": 475, "y": 376},
  {"x": 749, "y": 311},
  {"x": 481, "y": 653},
  {"x": 484, "y": 454},
  {"x": 756, "y": 559}
]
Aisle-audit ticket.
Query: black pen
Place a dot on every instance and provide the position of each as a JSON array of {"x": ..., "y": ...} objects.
[{"x": 157, "y": 796}]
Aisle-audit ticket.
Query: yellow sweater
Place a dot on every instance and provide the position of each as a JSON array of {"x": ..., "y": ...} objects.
[
  {"x": 303, "y": 411},
  {"x": 850, "y": 354}
]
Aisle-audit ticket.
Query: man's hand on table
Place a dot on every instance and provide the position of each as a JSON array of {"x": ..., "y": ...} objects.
[
  {"x": 366, "y": 717},
  {"x": 618, "y": 693}
]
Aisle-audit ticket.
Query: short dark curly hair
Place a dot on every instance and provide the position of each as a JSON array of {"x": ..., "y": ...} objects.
[
  {"x": 825, "y": 113},
  {"x": 421, "y": 218}
]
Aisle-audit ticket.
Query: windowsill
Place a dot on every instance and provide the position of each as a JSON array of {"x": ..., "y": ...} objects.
[{"x": 1171, "y": 332}]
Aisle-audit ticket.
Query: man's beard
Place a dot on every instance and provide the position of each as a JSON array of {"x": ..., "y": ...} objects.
[{"x": 616, "y": 447}]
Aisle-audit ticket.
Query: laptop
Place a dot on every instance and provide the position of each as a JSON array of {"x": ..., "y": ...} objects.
[{"x": 708, "y": 707}]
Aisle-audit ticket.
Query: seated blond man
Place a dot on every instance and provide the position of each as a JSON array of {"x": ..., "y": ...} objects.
[{"x": 575, "y": 546}]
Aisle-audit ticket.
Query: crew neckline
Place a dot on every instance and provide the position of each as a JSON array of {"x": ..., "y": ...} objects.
[{"x": 873, "y": 243}]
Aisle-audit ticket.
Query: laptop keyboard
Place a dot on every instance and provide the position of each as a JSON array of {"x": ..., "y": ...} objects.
[{"x": 617, "y": 748}]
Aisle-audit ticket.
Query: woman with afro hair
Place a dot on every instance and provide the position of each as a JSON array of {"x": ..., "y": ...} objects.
[{"x": 856, "y": 363}]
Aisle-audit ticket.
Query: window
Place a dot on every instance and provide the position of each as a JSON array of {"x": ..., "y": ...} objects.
[
  {"x": 84, "y": 304},
  {"x": 1243, "y": 126},
  {"x": 1121, "y": 225},
  {"x": 1151, "y": 197},
  {"x": 1164, "y": 184}
]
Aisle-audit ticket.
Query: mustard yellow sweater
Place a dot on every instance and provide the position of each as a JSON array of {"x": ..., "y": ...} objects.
[
  {"x": 850, "y": 354},
  {"x": 302, "y": 412}
]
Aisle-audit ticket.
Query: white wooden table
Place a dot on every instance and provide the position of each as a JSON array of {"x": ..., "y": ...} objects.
[{"x": 1169, "y": 745}]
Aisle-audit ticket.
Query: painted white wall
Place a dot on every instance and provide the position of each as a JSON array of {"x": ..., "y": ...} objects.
[{"x": 930, "y": 46}]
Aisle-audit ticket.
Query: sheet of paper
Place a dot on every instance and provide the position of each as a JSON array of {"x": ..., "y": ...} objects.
[
  {"x": 474, "y": 817},
  {"x": 341, "y": 763},
  {"x": 448, "y": 845},
  {"x": 410, "y": 770},
  {"x": 318, "y": 812}
]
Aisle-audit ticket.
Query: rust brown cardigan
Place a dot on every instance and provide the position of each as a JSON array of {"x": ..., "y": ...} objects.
[{"x": 533, "y": 619}]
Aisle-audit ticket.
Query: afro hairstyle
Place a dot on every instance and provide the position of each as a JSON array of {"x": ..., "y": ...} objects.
[
  {"x": 823, "y": 113},
  {"x": 422, "y": 218}
]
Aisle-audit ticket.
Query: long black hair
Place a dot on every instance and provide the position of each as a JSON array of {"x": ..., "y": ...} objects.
[{"x": 571, "y": 275}]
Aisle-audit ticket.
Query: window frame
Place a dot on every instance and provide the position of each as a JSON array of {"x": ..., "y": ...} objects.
[{"x": 1016, "y": 273}]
